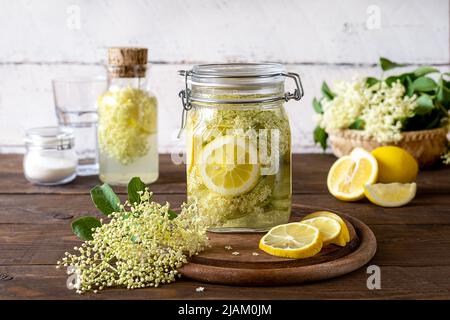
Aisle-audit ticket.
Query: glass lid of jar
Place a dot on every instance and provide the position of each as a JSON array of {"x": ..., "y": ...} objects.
[
  {"x": 49, "y": 138},
  {"x": 236, "y": 83},
  {"x": 237, "y": 74},
  {"x": 238, "y": 77}
]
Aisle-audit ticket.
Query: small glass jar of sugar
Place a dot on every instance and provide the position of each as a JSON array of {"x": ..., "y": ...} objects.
[{"x": 50, "y": 157}]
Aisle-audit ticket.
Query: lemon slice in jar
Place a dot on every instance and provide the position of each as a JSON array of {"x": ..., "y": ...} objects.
[{"x": 228, "y": 165}]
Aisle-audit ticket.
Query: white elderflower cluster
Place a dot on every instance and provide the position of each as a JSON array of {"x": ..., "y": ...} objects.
[
  {"x": 346, "y": 106},
  {"x": 446, "y": 157},
  {"x": 139, "y": 248},
  {"x": 387, "y": 106},
  {"x": 381, "y": 108}
]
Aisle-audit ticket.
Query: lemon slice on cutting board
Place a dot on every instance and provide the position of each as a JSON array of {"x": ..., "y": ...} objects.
[
  {"x": 390, "y": 194},
  {"x": 344, "y": 236},
  {"x": 329, "y": 228},
  {"x": 228, "y": 166},
  {"x": 349, "y": 174},
  {"x": 292, "y": 240}
]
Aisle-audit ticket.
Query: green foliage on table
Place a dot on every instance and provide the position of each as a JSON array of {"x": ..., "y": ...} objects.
[
  {"x": 135, "y": 189},
  {"x": 84, "y": 227},
  {"x": 105, "y": 199}
]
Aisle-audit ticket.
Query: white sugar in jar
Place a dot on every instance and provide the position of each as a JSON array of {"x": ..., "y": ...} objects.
[{"x": 50, "y": 157}]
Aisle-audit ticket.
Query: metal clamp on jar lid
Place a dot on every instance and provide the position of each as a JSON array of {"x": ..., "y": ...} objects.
[
  {"x": 236, "y": 84},
  {"x": 50, "y": 138}
]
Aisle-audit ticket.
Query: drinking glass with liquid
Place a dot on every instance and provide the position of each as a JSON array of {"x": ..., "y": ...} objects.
[{"x": 76, "y": 108}]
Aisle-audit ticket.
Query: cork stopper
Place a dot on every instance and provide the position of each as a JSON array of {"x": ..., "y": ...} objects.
[{"x": 127, "y": 62}]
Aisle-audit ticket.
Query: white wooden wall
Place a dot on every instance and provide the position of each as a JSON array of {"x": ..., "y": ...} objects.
[{"x": 320, "y": 39}]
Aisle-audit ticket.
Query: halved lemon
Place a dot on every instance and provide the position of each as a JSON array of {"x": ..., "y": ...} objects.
[
  {"x": 329, "y": 228},
  {"x": 390, "y": 194},
  {"x": 344, "y": 235},
  {"x": 349, "y": 174},
  {"x": 292, "y": 240},
  {"x": 229, "y": 166}
]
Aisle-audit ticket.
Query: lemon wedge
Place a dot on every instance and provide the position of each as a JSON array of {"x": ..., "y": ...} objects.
[
  {"x": 329, "y": 228},
  {"x": 344, "y": 235},
  {"x": 229, "y": 166},
  {"x": 390, "y": 194},
  {"x": 349, "y": 174},
  {"x": 292, "y": 240}
]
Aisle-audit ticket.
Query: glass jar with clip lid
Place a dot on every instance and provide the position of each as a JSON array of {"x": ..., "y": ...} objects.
[{"x": 239, "y": 144}]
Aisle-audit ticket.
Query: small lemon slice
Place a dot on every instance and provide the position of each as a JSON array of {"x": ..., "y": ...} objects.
[
  {"x": 390, "y": 194},
  {"x": 329, "y": 228},
  {"x": 344, "y": 236},
  {"x": 349, "y": 174},
  {"x": 292, "y": 240},
  {"x": 229, "y": 166}
]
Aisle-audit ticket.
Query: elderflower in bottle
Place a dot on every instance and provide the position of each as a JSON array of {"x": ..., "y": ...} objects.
[{"x": 127, "y": 120}]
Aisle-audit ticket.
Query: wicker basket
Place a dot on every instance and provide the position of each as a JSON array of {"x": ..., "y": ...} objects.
[{"x": 425, "y": 145}]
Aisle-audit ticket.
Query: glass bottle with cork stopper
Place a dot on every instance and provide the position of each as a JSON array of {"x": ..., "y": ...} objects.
[{"x": 127, "y": 120}]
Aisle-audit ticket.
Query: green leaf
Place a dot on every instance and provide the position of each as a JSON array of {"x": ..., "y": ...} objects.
[
  {"x": 424, "y": 84},
  {"x": 134, "y": 187},
  {"x": 390, "y": 80},
  {"x": 320, "y": 136},
  {"x": 172, "y": 214},
  {"x": 317, "y": 106},
  {"x": 422, "y": 71},
  {"x": 83, "y": 226},
  {"x": 358, "y": 124},
  {"x": 105, "y": 199},
  {"x": 409, "y": 86},
  {"x": 326, "y": 91},
  {"x": 370, "y": 81},
  {"x": 388, "y": 64},
  {"x": 443, "y": 94},
  {"x": 401, "y": 77},
  {"x": 424, "y": 105}
]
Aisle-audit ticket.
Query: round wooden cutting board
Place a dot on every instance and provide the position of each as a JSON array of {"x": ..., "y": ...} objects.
[{"x": 253, "y": 267}]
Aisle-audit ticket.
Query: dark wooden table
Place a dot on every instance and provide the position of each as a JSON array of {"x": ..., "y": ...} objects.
[{"x": 413, "y": 241}]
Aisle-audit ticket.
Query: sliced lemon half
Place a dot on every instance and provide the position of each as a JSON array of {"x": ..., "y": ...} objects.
[
  {"x": 292, "y": 240},
  {"x": 344, "y": 236},
  {"x": 390, "y": 194},
  {"x": 329, "y": 228},
  {"x": 228, "y": 165},
  {"x": 349, "y": 174}
]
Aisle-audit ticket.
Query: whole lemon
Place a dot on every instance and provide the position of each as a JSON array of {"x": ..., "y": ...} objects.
[{"x": 395, "y": 165}]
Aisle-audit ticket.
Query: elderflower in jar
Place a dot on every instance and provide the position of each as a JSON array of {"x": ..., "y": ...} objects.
[
  {"x": 127, "y": 120},
  {"x": 239, "y": 144}
]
